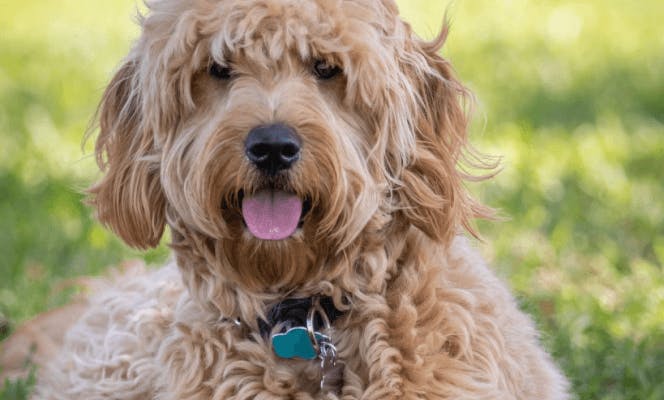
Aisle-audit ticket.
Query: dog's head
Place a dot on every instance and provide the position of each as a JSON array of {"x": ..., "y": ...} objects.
[{"x": 273, "y": 136}]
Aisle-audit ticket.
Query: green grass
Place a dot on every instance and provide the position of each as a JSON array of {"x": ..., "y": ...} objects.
[
  {"x": 571, "y": 94},
  {"x": 19, "y": 389}
]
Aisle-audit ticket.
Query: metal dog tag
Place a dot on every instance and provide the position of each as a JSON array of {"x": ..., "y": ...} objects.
[{"x": 328, "y": 360}]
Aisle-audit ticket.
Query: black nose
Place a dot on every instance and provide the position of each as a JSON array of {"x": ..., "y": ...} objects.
[{"x": 272, "y": 148}]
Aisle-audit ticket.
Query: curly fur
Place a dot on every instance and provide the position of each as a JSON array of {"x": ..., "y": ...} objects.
[{"x": 381, "y": 162}]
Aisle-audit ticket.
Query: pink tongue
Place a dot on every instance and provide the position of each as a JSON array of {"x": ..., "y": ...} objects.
[{"x": 272, "y": 215}]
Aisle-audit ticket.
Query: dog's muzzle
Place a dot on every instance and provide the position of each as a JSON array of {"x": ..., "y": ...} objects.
[{"x": 271, "y": 213}]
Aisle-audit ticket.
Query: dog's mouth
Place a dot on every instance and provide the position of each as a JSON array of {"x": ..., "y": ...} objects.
[{"x": 272, "y": 214}]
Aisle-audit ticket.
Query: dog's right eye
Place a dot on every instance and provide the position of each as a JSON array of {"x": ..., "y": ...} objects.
[
  {"x": 220, "y": 72},
  {"x": 325, "y": 70}
]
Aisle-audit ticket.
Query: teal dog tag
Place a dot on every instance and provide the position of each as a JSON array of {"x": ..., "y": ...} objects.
[{"x": 295, "y": 343}]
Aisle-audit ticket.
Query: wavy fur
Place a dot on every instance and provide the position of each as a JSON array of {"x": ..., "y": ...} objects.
[{"x": 382, "y": 150}]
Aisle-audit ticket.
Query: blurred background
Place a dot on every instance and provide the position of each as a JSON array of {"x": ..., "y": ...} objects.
[{"x": 570, "y": 94}]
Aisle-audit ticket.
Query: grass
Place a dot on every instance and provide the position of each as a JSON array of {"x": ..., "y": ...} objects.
[
  {"x": 571, "y": 94},
  {"x": 19, "y": 389}
]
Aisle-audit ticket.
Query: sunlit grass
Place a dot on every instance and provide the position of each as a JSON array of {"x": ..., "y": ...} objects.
[{"x": 571, "y": 94}]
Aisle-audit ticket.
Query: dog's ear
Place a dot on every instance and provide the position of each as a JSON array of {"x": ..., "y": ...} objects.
[
  {"x": 128, "y": 199},
  {"x": 432, "y": 195}
]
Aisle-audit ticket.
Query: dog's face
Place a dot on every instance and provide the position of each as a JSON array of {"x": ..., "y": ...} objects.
[{"x": 274, "y": 136}]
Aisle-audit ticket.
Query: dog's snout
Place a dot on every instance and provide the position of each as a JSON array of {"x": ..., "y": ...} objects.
[{"x": 273, "y": 148}]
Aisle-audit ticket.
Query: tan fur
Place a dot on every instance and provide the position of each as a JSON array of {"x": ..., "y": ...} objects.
[
  {"x": 37, "y": 341},
  {"x": 382, "y": 150}
]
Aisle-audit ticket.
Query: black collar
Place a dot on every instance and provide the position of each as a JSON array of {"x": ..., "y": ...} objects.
[{"x": 293, "y": 312}]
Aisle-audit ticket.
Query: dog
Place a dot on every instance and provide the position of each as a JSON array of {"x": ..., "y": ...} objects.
[{"x": 307, "y": 157}]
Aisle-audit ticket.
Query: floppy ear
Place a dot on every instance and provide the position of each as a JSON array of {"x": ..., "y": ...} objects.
[
  {"x": 432, "y": 196},
  {"x": 128, "y": 199}
]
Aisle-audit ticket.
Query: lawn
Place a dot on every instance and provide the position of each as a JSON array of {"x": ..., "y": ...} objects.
[{"x": 570, "y": 94}]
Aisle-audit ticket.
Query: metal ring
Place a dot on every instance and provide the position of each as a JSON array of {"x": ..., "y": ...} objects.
[
  {"x": 311, "y": 329},
  {"x": 323, "y": 314}
]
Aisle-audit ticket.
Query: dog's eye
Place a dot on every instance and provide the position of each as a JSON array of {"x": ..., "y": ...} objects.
[
  {"x": 220, "y": 72},
  {"x": 324, "y": 70}
]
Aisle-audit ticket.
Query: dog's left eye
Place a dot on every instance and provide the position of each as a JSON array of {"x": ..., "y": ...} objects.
[
  {"x": 325, "y": 70},
  {"x": 220, "y": 72}
]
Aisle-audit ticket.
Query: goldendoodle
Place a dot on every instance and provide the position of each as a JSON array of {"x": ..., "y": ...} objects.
[{"x": 307, "y": 156}]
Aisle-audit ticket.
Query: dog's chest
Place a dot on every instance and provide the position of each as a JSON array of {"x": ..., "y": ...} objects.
[{"x": 230, "y": 365}]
